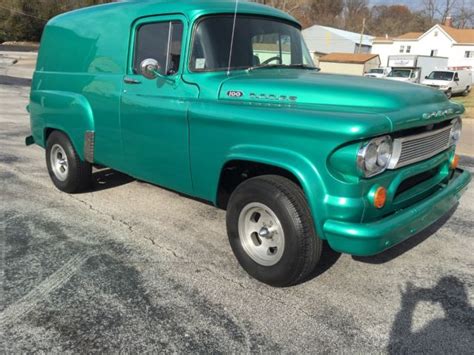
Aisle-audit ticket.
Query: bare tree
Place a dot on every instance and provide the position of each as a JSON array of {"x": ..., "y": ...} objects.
[
  {"x": 463, "y": 16},
  {"x": 286, "y": 5},
  {"x": 310, "y": 12},
  {"x": 355, "y": 11},
  {"x": 446, "y": 9},
  {"x": 395, "y": 20},
  {"x": 430, "y": 9}
]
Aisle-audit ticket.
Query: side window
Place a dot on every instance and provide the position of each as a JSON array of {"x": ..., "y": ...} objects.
[
  {"x": 160, "y": 41},
  {"x": 268, "y": 46},
  {"x": 402, "y": 49}
]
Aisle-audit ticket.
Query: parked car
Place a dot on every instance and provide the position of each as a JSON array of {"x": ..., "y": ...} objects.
[
  {"x": 175, "y": 93},
  {"x": 450, "y": 81},
  {"x": 377, "y": 73}
]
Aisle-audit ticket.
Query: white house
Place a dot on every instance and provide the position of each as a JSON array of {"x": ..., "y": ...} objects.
[
  {"x": 440, "y": 40},
  {"x": 323, "y": 40}
]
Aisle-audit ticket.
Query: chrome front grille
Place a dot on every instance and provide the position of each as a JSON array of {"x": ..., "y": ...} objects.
[{"x": 412, "y": 149}]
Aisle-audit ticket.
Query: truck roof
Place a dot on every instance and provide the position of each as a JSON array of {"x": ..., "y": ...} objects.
[
  {"x": 192, "y": 9},
  {"x": 96, "y": 39}
]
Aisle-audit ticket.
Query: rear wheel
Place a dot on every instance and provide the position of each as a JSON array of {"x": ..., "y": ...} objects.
[
  {"x": 67, "y": 171},
  {"x": 271, "y": 231},
  {"x": 466, "y": 91}
]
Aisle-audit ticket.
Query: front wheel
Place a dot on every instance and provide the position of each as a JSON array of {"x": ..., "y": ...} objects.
[
  {"x": 67, "y": 171},
  {"x": 271, "y": 231},
  {"x": 449, "y": 93}
]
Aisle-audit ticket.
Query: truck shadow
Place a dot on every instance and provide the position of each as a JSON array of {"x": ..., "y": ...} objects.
[
  {"x": 329, "y": 257},
  {"x": 408, "y": 244},
  {"x": 451, "y": 334},
  {"x": 13, "y": 81},
  {"x": 107, "y": 179}
]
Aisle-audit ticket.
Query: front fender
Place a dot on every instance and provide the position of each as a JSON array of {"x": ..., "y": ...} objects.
[
  {"x": 302, "y": 168},
  {"x": 64, "y": 111}
]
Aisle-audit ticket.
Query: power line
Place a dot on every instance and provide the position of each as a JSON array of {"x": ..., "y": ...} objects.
[{"x": 22, "y": 13}]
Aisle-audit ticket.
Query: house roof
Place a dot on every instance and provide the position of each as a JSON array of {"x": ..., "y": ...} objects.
[
  {"x": 130, "y": 10},
  {"x": 410, "y": 35},
  {"x": 357, "y": 58},
  {"x": 384, "y": 39},
  {"x": 404, "y": 37},
  {"x": 462, "y": 36},
  {"x": 351, "y": 36}
]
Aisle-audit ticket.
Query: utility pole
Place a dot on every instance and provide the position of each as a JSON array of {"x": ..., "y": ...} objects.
[{"x": 361, "y": 35}]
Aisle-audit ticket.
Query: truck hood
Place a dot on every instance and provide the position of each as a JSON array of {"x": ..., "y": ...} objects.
[
  {"x": 374, "y": 75},
  {"x": 398, "y": 101},
  {"x": 436, "y": 82}
]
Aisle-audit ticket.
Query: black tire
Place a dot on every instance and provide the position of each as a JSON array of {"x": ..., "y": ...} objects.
[
  {"x": 302, "y": 247},
  {"x": 78, "y": 175},
  {"x": 449, "y": 93},
  {"x": 466, "y": 92}
]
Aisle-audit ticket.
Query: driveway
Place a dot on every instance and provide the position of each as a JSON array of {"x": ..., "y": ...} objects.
[{"x": 134, "y": 267}]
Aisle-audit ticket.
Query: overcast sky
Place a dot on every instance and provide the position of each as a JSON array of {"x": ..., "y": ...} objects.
[{"x": 414, "y": 4}]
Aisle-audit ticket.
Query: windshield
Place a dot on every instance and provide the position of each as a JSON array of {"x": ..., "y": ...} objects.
[
  {"x": 258, "y": 41},
  {"x": 400, "y": 73},
  {"x": 441, "y": 75},
  {"x": 376, "y": 71}
]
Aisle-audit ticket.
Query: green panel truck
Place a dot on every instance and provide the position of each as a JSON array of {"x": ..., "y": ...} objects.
[{"x": 221, "y": 101}]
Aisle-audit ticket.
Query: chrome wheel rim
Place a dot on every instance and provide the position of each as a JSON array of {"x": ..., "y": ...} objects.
[
  {"x": 261, "y": 234},
  {"x": 59, "y": 162}
]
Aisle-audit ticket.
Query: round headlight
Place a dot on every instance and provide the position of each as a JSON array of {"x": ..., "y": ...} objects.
[
  {"x": 370, "y": 157},
  {"x": 384, "y": 153},
  {"x": 374, "y": 156},
  {"x": 456, "y": 131}
]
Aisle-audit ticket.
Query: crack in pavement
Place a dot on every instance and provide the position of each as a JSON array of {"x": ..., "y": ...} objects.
[{"x": 190, "y": 261}]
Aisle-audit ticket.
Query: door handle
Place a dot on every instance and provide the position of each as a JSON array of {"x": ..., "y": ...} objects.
[{"x": 131, "y": 81}]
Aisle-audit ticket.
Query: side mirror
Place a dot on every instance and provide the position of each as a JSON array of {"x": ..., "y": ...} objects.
[
  {"x": 150, "y": 69},
  {"x": 426, "y": 76},
  {"x": 456, "y": 79}
]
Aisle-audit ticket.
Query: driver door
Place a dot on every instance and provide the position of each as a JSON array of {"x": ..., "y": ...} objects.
[{"x": 154, "y": 125}]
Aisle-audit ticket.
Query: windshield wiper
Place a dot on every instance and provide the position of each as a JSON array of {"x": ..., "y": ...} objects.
[
  {"x": 266, "y": 66},
  {"x": 303, "y": 66},
  {"x": 270, "y": 66}
]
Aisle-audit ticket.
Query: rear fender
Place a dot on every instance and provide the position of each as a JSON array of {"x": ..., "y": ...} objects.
[{"x": 64, "y": 111}]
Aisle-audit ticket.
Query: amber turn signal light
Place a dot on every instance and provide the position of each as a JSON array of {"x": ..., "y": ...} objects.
[
  {"x": 380, "y": 197},
  {"x": 455, "y": 161}
]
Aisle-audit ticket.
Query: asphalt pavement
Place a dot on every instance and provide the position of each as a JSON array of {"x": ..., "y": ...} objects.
[{"x": 133, "y": 267}]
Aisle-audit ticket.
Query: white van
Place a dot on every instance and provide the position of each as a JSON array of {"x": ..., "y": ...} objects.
[{"x": 450, "y": 81}]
